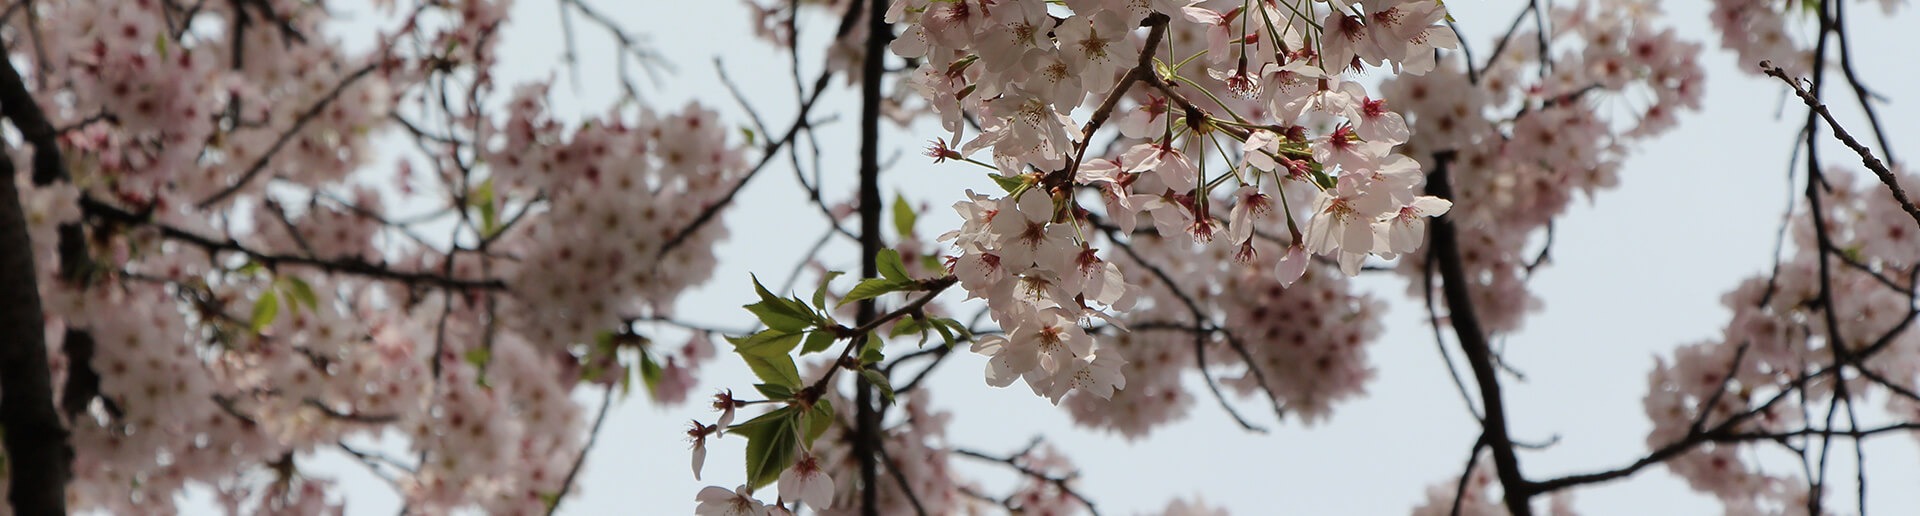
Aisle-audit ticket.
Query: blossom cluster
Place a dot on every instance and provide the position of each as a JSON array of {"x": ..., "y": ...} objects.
[
  {"x": 1758, "y": 31},
  {"x": 619, "y": 194},
  {"x": 1527, "y": 133},
  {"x": 1777, "y": 350},
  {"x": 1021, "y": 69},
  {"x": 243, "y": 298}
]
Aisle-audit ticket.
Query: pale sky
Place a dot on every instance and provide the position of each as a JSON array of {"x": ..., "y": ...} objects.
[{"x": 1635, "y": 273}]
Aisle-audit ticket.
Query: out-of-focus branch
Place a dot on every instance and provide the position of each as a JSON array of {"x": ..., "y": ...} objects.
[
  {"x": 351, "y": 266},
  {"x": 1061, "y": 483},
  {"x": 312, "y": 112}
]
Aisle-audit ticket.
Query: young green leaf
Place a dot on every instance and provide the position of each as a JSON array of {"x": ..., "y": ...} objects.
[
  {"x": 768, "y": 343},
  {"x": 777, "y": 370},
  {"x": 820, "y": 294},
  {"x": 1009, "y": 183},
  {"x": 302, "y": 291},
  {"x": 952, "y": 330},
  {"x": 880, "y": 381},
  {"x": 818, "y": 421},
  {"x": 906, "y": 326},
  {"x": 779, "y": 316},
  {"x": 891, "y": 267},
  {"x": 763, "y": 420},
  {"x": 650, "y": 372},
  {"x": 781, "y": 313},
  {"x": 264, "y": 311},
  {"x": 903, "y": 216},
  {"x": 478, "y": 357},
  {"x": 875, "y": 287},
  {"x": 817, "y": 341},
  {"x": 774, "y": 392},
  {"x": 771, "y": 449},
  {"x": 871, "y": 353},
  {"x": 482, "y": 200}
]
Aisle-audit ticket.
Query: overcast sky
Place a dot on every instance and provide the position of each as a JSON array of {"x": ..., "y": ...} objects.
[{"x": 1635, "y": 273}]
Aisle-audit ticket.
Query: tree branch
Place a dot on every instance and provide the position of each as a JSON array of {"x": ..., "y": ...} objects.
[
  {"x": 866, "y": 442},
  {"x": 1444, "y": 246},
  {"x": 37, "y": 450},
  {"x": 1866, "y": 155}
]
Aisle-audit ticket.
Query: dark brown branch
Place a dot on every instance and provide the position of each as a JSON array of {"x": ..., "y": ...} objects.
[
  {"x": 37, "y": 449},
  {"x": 1142, "y": 70},
  {"x": 1473, "y": 459},
  {"x": 1440, "y": 341},
  {"x": 866, "y": 444},
  {"x": 1444, "y": 246}
]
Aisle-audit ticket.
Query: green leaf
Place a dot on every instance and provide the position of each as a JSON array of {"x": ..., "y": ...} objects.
[
  {"x": 302, "y": 291},
  {"x": 749, "y": 134},
  {"x": 482, "y": 199},
  {"x": 946, "y": 335},
  {"x": 650, "y": 372},
  {"x": 771, "y": 449},
  {"x": 906, "y": 326},
  {"x": 777, "y": 370},
  {"x": 765, "y": 296},
  {"x": 264, "y": 311},
  {"x": 774, "y": 392},
  {"x": 780, "y": 313},
  {"x": 817, "y": 341},
  {"x": 903, "y": 216},
  {"x": 870, "y": 354},
  {"x": 820, "y": 294},
  {"x": 778, "y": 316},
  {"x": 1009, "y": 183},
  {"x": 879, "y": 380},
  {"x": 874, "y": 287},
  {"x": 891, "y": 267},
  {"x": 626, "y": 384},
  {"x": 762, "y": 420},
  {"x": 478, "y": 357},
  {"x": 959, "y": 330},
  {"x": 950, "y": 330},
  {"x": 818, "y": 421},
  {"x": 769, "y": 343}
]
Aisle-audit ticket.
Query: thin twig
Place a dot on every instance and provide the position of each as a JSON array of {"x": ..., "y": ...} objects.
[
  {"x": 312, "y": 112},
  {"x": 593, "y": 436},
  {"x": 1866, "y": 155}
]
